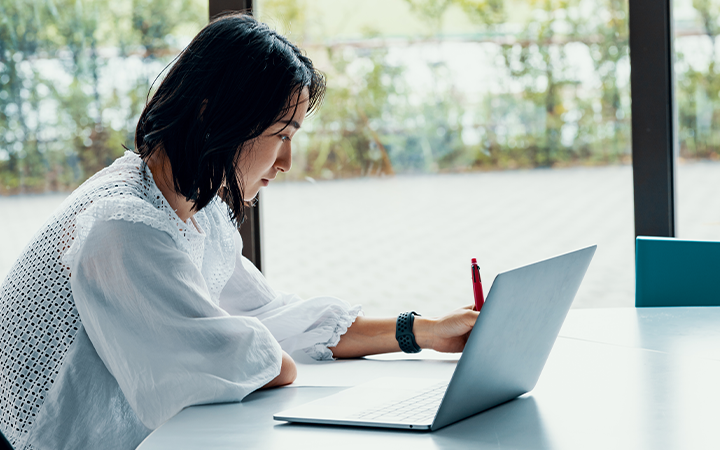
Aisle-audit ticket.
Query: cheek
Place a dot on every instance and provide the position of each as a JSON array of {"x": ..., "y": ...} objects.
[
  {"x": 266, "y": 157},
  {"x": 246, "y": 170},
  {"x": 260, "y": 159}
]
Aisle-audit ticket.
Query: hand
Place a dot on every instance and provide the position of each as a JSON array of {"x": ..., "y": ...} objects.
[
  {"x": 448, "y": 333},
  {"x": 288, "y": 373}
]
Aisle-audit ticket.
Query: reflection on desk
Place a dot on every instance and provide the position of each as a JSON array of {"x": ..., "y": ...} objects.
[
  {"x": 681, "y": 331},
  {"x": 621, "y": 389}
]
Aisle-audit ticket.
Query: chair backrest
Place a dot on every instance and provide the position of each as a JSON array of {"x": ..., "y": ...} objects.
[
  {"x": 676, "y": 272},
  {"x": 4, "y": 444}
]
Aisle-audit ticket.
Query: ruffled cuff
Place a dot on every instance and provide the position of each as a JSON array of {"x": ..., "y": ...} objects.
[{"x": 339, "y": 323}]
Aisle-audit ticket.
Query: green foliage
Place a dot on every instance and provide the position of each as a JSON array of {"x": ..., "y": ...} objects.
[
  {"x": 60, "y": 122},
  {"x": 346, "y": 137},
  {"x": 486, "y": 12},
  {"x": 489, "y": 12},
  {"x": 155, "y": 21},
  {"x": 544, "y": 115},
  {"x": 57, "y": 125},
  {"x": 539, "y": 61},
  {"x": 698, "y": 91}
]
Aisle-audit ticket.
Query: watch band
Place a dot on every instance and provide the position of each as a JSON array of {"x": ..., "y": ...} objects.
[{"x": 404, "y": 332}]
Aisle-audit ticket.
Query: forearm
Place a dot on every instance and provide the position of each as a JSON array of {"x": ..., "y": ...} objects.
[
  {"x": 370, "y": 336},
  {"x": 288, "y": 373}
]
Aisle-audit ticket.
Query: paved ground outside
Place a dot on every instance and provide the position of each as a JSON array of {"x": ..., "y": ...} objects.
[{"x": 405, "y": 242}]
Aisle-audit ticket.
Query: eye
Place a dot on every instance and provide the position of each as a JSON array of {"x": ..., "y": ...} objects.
[{"x": 284, "y": 138}]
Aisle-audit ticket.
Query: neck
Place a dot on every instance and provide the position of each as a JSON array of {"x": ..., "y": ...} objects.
[{"x": 161, "y": 170}]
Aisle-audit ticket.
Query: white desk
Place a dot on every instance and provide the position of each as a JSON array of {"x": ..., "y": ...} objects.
[
  {"x": 616, "y": 379},
  {"x": 678, "y": 331}
]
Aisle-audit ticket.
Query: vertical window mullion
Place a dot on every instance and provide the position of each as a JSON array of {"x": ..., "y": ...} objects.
[
  {"x": 250, "y": 230},
  {"x": 653, "y": 117},
  {"x": 218, "y": 6}
]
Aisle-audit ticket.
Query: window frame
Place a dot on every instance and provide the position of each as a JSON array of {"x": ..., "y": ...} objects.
[
  {"x": 250, "y": 229},
  {"x": 654, "y": 117}
]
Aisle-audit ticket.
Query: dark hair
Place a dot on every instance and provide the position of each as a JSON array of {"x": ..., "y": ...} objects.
[{"x": 234, "y": 80}]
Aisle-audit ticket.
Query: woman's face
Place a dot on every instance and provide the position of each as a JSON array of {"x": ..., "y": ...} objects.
[{"x": 271, "y": 152}]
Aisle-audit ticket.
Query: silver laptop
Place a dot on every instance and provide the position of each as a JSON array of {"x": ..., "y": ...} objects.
[{"x": 503, "y": 357}]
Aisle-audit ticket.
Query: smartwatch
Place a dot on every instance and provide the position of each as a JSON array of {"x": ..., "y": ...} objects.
[{"x": 404, "y": 332}]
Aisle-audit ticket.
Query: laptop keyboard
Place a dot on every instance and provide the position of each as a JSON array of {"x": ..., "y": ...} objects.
[{"x": 419, "y": 408}]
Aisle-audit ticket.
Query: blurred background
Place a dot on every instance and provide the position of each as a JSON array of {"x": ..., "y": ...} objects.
[{"x": 451, "y": 129}]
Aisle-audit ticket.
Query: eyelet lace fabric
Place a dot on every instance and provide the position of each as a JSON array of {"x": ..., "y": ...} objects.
[
  {"x": 38, "y": 317},
  {"x": 218, "y": 345}
]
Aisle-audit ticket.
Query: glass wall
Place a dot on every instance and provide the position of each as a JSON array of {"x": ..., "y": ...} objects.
[
  {"x": 74, "y": 76},
  {"x": 697, "y": 72},
  {"x": 454, "y": 129}
]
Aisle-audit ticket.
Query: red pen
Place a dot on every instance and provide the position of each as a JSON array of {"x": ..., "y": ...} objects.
[{"x": 477, "y": 285}]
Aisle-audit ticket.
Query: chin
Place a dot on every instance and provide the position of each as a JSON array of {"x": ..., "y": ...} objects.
[{"x": 252, "y": 198}]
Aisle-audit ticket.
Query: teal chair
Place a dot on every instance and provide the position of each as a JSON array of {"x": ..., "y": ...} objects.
[{"x": 676, "y": 272}]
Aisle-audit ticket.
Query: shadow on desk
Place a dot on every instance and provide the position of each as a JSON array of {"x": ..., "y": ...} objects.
[
  {"x": 515, "y": 424},
  {"x": 351, "y": 372}
]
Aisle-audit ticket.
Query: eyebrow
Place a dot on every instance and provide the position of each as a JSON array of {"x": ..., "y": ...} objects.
[{"x": 294, "y": 123}]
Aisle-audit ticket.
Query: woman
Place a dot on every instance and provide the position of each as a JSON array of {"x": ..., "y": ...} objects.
[{"x": 134, "y": 301}]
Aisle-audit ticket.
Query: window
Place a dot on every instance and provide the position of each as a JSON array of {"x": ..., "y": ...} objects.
[
  {"x": 451, "y": 130},
  {"x": 698, "y": 98}
]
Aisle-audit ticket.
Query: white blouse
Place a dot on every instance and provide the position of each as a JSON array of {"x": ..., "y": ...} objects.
[{"x": 118, "y": 315}]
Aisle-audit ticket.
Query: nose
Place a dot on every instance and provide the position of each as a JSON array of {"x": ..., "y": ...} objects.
[{"x": 283, "y": 163}]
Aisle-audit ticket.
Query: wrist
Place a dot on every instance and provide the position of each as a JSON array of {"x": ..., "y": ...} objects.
[{"x": 422, "y": 329}]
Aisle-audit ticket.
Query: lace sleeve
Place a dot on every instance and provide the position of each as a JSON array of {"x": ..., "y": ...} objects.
[
  {"x": 148, "y": 313},
  {"x": 312, "y": 325}
]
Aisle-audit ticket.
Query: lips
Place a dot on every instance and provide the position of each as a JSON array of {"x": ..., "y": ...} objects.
[{"x": 266, "y": 181}]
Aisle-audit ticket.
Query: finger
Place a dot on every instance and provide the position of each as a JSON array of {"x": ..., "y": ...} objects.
[
  {"x": 465, "y": 322},
  {"x": 471, "y": 317}
]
